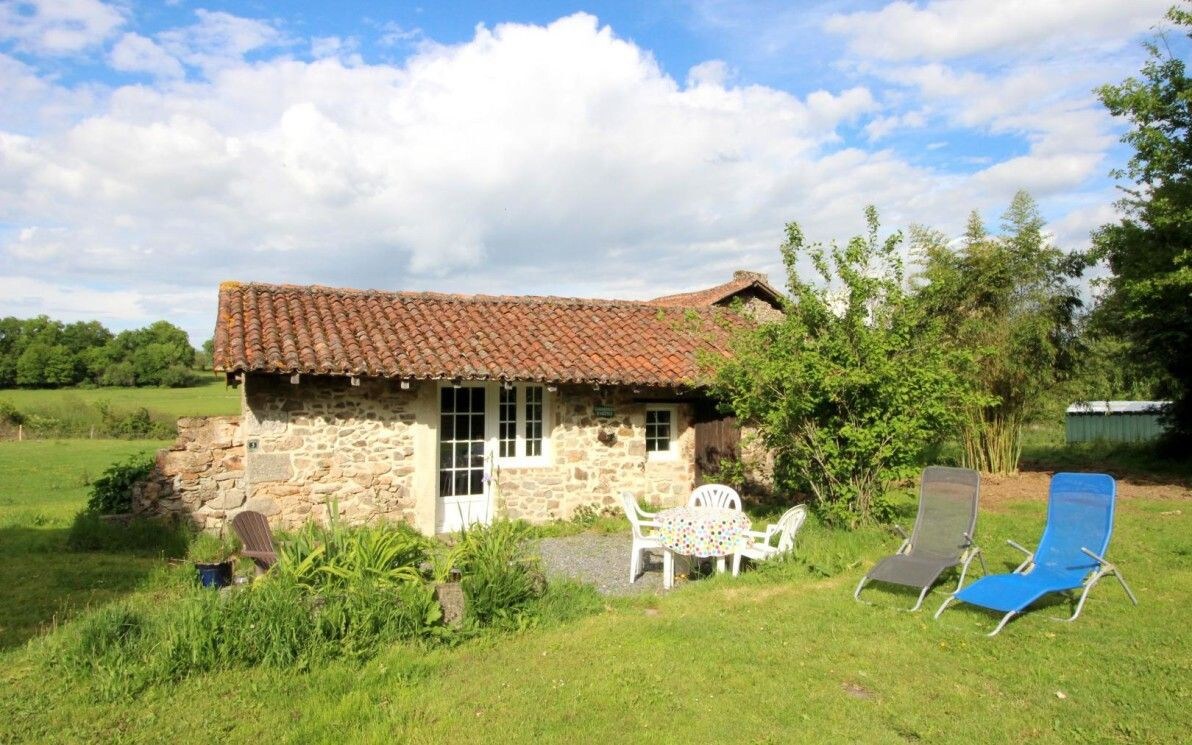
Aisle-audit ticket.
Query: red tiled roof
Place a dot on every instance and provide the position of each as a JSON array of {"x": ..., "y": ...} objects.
[
  {"x": 740, "y": 282},
  {"x": 329, "y": 331}
]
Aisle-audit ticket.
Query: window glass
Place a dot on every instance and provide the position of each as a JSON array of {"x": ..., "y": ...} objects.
[
  {"x": 533, "y": 420},
  {"x": 507, "y": 422},
  {"x": 658, "y": 430}
]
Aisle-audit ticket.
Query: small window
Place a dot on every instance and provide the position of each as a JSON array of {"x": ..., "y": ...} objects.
[
  {"x": 522, "y": 437},
  {"x": 660, "y": 433}
]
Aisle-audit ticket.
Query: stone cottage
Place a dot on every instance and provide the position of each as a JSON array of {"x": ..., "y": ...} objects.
[{"x": 442, "y": 410}]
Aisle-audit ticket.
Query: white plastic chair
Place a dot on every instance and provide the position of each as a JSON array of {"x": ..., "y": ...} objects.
[
  {"x": 715, "y": 495},
  {"x": 639, "y": 519},
  {"x": 759, "y": 547}
]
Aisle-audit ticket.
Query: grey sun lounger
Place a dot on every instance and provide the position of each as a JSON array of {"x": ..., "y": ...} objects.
[{"x": 942, "y": 537}]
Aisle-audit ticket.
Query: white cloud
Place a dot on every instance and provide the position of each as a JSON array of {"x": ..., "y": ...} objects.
[
  {"x": 882, "y": 126},
  {"x": 551, "y": 159},
  {"x": 135, "y": 53},
  {"x": 55, "y": 27},
  {"x": 219, "y": 39},
  {"x": 335, "y": 46},
  {"x": 943, "y": 29}
]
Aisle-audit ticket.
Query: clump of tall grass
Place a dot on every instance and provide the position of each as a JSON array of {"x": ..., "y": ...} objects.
[
  {"x": 331, "y": 555},
  {"x": 278, "y": 623},
  {"x": 501, "y": 578}
]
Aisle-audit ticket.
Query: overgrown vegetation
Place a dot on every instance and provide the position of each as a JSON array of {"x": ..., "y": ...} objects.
[
  {"x": 71, "y": 416},
  {"x": 1008, "y": 301},
  {"x": 337, "y": 593},
  {"x": 856, "y": 382},
  {"x": 112, "y": 491}
]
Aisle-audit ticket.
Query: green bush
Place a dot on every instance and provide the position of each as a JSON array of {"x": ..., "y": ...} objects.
[
  {"x": 118, "y": 374},
  {"x": 9, "y": 414},
  {"x": 500, "y": 577},
  {"x": 136, "y": 425},
  {"x": 90, "y": 532},
  {"x": 854, "y": 384},
  {"x": 178, "y": 376},
  {"x": 112, "y": 492}
]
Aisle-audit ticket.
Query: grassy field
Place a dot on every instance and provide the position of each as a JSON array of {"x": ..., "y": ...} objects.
[
  {"x": 778, "y": 655},
  {"x": 42, "y": 485},
  {"x": 212, "y": 397}
]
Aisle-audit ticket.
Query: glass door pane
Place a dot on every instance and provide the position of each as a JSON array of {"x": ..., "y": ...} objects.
[{"x": 461, "y": 441}]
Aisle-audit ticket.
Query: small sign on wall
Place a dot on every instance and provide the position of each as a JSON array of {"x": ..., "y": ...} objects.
[{"x": 603, "y": 412}]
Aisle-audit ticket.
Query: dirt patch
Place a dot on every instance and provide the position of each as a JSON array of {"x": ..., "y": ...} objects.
[{"x": 1032, "y": 485}]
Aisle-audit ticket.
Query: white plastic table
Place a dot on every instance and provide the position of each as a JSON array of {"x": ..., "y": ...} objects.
[{"x": 698, "y": 531}]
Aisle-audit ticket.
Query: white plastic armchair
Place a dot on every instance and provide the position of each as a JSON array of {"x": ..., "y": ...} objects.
[
  {"x": 715, "y": 495},
  {"x": 759, "y": 545},
  {"x": 642, "y": 525}
]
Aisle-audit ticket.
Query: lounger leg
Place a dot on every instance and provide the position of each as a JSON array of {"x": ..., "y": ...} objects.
[
  {"x": 720, "y": 565},
  {"x": 668, "y": 569},
  {"x": 921, "y": 596},
  {"x": 943, "y": 605},
  {"x": 1130, "y": 593},
  {"x": 964, "y": 569},
  {"x": 736, "y": 564},
  {"x": 634, "y": 560},
  {"x": 857, "y": 592},
  {"x": 1005, "y": 620}
]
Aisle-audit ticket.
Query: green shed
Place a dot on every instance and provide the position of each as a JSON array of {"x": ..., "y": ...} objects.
[{"x": 1114, "y": 421}]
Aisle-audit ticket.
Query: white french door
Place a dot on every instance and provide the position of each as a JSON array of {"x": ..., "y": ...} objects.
[{"x": 463, "y": 443}]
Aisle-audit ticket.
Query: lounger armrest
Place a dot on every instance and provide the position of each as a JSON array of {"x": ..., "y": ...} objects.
[
  {"x": 648, "y": 524},
  {"x": 1026, "y": 551},
  {"x": 1100, "y": 559}
]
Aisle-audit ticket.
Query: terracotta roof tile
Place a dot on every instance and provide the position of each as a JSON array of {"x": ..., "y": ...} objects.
[
  {"x": 330, "y": 331},
  {"x": 740, "y": 282}
]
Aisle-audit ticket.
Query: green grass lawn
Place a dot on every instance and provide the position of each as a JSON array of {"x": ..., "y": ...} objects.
[
  {"x": 778, "y": 655},
  {"x": 210, "y": 398},
  {"x": 43, "y": 484}
]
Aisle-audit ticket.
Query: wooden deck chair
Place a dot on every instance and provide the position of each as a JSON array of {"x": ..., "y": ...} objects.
[{"x": 253, "y": 530}]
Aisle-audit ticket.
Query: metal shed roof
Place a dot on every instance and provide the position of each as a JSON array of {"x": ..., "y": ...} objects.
[{"x": 1118, "y": 407}]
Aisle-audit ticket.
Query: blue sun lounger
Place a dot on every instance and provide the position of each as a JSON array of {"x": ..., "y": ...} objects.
[{"x": 1071, "y": 553}]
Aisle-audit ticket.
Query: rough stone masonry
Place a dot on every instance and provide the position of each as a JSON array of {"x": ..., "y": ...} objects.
[{"x": 371, "y": 449}]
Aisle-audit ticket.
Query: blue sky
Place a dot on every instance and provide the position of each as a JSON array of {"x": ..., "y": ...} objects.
[{"x": 149, "y": 151}]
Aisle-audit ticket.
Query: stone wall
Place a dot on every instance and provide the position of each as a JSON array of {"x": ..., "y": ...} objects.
[
  {"x": 324, "y": 440},
  {"x": 200, "y": 477},
  {"x": 594, "y": 459},
  {"x": 372, "y": 449}
]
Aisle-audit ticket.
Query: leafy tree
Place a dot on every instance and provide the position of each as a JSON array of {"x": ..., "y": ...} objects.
[
  {"x": 80, "y": 336},
  {"x": 1150, "y": 250},
  {"x": 1008, "y": 300},
  {"x": 853, "y": 385},
  {"x": 205, "y": 355},
  {"x": 41, "y": 351}
]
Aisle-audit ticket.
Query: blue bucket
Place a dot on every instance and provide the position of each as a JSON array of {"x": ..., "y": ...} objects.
[{"x": 215, "y": 575}]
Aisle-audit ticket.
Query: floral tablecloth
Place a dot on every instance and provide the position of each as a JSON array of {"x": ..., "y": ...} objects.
[{"x": 701, "y": 531}]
